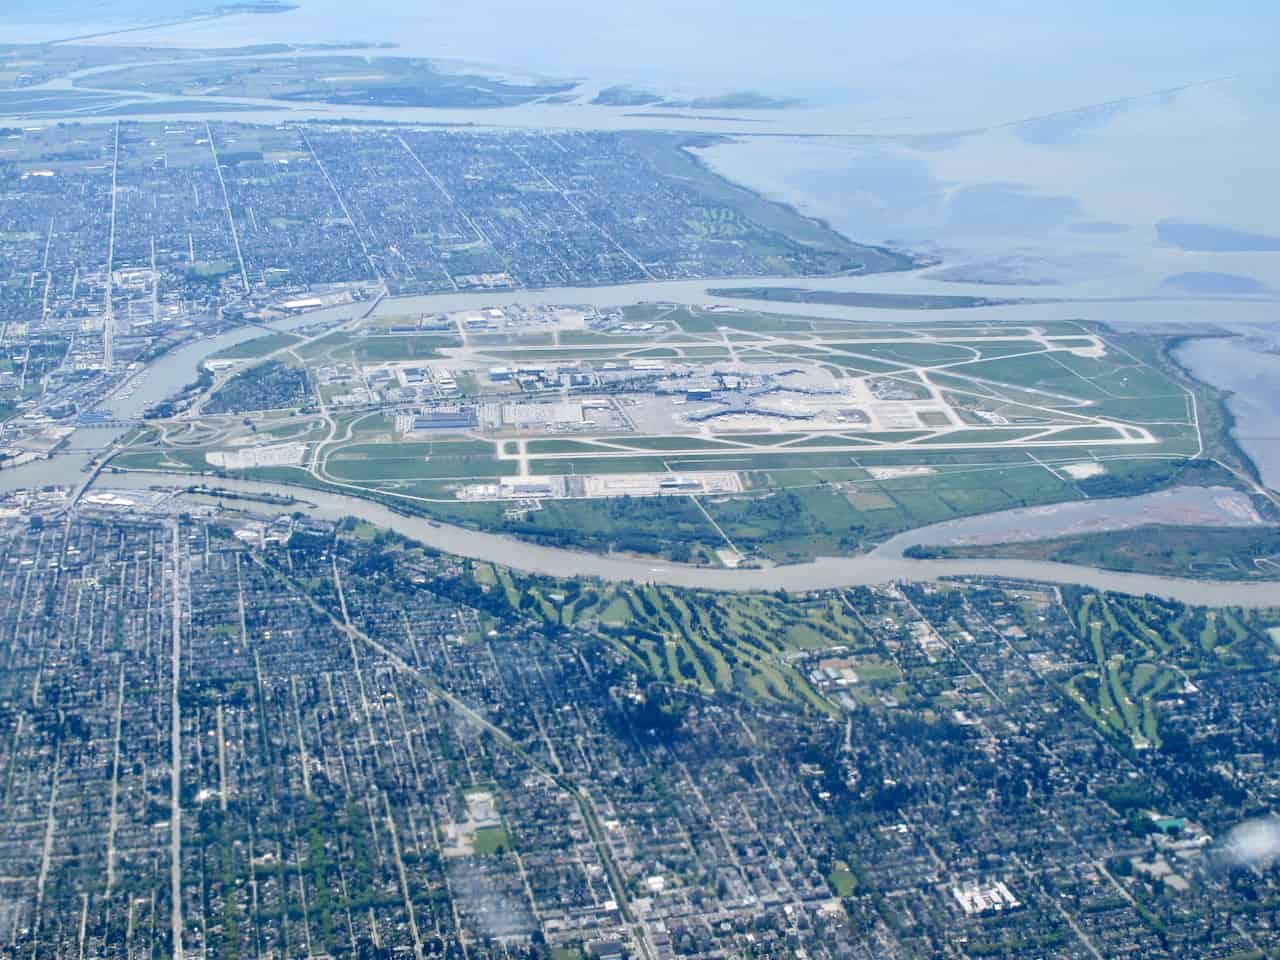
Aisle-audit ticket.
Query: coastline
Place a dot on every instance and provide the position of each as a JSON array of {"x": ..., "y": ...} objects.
[
  {"x": 906, "y": 261},
  {"x": 219, "y": 11},
  {"x": 1222, "y": 397}
]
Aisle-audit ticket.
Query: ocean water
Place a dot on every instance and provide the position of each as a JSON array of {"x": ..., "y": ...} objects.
[
  {"x": 1092, "y": 211},
  {"x": 1250, "y": 369}
]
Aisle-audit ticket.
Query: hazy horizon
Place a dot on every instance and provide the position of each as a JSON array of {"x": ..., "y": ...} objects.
[{"x": 935, "y": 61}]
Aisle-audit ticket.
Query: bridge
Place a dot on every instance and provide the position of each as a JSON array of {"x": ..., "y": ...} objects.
[{"x": 116, "y": 423}]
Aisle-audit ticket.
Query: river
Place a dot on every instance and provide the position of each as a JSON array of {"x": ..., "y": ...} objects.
[
  {"x": 881, "y": 566},
  {"x": 160, "y": 380}
]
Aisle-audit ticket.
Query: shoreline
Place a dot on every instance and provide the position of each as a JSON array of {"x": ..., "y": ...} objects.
[
  {"x": 1222, "y": 396},
  {"x": 908, "y": 261},
  {"x": 219, "y": 11}
]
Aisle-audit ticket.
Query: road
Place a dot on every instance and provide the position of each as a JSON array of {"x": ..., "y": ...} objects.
[{"x": 175, "y": 754}]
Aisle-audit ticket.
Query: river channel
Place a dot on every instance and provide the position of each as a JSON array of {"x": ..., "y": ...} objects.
[
  {"x": 884, "y": 565},
  {"x": 160, "y": 380}
]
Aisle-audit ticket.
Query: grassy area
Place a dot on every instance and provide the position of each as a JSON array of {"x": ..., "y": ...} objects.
[
  {"x": 183, "y": 461},
  {"x": 436, "y": 459},
  {"x": 380, "y": 349},
  {"x": 672, "y": 527},
  {"x": 924, "y": 352},
  {"x": 693, "y": 320},
  {"x": 208, "y": 269},
  {"x": 821, "y": 513},
  {"x": 588, "y": 464},
  {"x": 570, "y": 338},
  {"x": 257, "y": 347},
  {"x": 563, "y": 446},
  {"x": 376, "y": 348},
  {"x": 841, "y": 880},
  {"x": 489, "y": 841}
]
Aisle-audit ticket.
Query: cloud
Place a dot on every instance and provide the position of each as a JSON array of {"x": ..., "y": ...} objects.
[
  {"x": 1254, "y": 843},
  {"x": 483, "y": 904}
]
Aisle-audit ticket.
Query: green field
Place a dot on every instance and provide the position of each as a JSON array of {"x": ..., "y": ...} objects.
[
  {"x": 440, "y": 459},
  {"x": 410, "y": 347},
  {"x": 257, "y": 347},
  {"x": 489, "y": 841},
  {"x": 842, "y": 881},
  {"x": 375, "y": 347}
]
